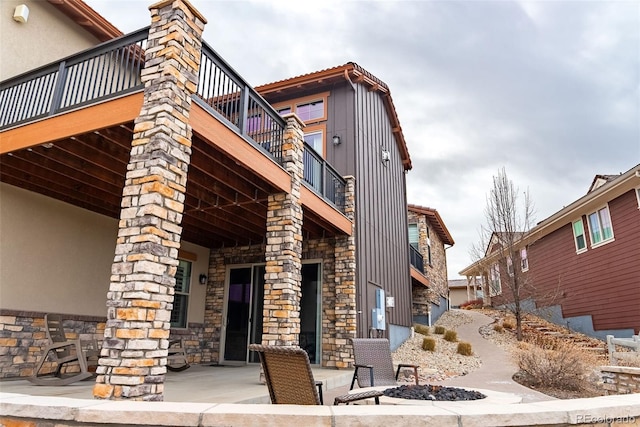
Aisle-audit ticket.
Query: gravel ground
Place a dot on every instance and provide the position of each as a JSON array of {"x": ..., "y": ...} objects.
[{"x": 442, "y": 363}]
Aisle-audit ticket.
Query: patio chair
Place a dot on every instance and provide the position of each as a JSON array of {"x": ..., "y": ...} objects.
[
  {"x": 289, "y": 378},
  {"x": 374, "y": 364},
  {"x": 177, "y": 356},
  {"x": 63, "y": 352}
]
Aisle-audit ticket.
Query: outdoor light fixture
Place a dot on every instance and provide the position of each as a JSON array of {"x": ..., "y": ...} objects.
[
  {"x": 386, "y": 156},
  {"x": 202, "y": 279},
  {"x": 336, "y": 140},
  {"x": 21, "y": 13}
]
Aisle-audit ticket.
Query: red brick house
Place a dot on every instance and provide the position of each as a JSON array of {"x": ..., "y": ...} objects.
[{"x": 583, "y": 259}]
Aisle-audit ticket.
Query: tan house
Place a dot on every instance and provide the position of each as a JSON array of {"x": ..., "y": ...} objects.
[{"x": 148, "y": 193}]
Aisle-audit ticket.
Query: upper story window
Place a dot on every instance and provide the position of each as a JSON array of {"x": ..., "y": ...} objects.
[
  {"x": 311, "y": 111},
  {"x": 509, "y": 266},
  {"x": 181, "y": 296},
  {"x": 524, "y": 260},
  {"x": 413, "y": 235},
  {"x": 638, "y": 196},
  {"x": 578, "y": 236},
  {"x": 428, "y": 246},
  {"x": 600, "y": 228},
  {"x": 315, "y": 140}
]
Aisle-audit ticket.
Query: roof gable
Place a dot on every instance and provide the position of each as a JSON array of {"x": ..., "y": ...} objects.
[
  {"x": 436, "y": 222},
  {"x": 353, "y": 73}
]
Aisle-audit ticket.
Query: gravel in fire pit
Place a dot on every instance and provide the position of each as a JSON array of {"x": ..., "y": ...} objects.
[{"x": 432, "y": 392}]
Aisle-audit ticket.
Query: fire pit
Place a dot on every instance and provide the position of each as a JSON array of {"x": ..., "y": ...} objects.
[
  {"x": 443, "y": 397},
  {"x": 433, "y": 392}
]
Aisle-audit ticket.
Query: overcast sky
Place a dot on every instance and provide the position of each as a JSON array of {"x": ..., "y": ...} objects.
[{"x": 549, "y": 90}]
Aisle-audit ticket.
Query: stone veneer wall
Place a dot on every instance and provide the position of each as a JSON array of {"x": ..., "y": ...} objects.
[
  {"x": 133, "y": 358},
  {"x": 23, "y": 339},
  {"x": 436, "y": 272},
  {"x": 620, "y": 379}
]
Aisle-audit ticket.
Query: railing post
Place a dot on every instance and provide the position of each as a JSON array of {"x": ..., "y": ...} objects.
[
  {"x": 56, "y": 99},
  {"x": 244, "y": 110}
]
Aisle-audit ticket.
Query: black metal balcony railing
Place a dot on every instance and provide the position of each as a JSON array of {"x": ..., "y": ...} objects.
[
  {"x": 108, "y": 70},
  {"x": 416, "y": 258},
  {"x": 113, "y": 68},
  {"x": 323, "y": 178}
]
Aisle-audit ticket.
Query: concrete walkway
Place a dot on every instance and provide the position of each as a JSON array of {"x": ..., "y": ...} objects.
[
  {"x": 497, "y": 367},
  {"x": 495, "y": 373}
]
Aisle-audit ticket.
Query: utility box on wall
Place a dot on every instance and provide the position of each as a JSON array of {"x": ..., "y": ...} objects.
[{"x": 378, "y": 318}]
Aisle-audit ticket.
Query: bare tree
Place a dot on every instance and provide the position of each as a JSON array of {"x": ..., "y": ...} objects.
[{"x": 509, "y": 217}]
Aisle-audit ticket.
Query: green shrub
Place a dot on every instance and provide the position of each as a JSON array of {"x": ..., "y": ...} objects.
[
  {"x": 451, "y": 336},
  {"x": 498, "y": 328},
  {"x": 439, "y": 330},
  {"x": 428, "y": 344},
  {"x": 464, "y": 348},
  {"x": 422, "y": 329}
]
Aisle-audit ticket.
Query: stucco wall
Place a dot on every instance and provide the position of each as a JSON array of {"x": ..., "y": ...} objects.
[
  {"x": 55, "y": 257},
  {"x": 48, "y": 35}
]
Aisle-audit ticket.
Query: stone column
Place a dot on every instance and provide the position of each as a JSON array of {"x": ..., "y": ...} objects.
[
  {"x": 345, "y": 289},
  {"x": 282, "y": 289},
  {"x": 140, "y": 298}
]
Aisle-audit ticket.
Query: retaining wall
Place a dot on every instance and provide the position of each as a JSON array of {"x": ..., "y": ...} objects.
[{"x": 21, "y": 410}]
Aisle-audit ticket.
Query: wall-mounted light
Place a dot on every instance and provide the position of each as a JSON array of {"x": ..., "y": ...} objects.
[
  {"x": 21, "y": 13},
  {"x": 202, "y": 279},
  {"x": 386, "y": 156},
  {"x": 336, "y": 140}
]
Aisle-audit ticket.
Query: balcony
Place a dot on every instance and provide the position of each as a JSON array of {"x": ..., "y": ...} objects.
[
  {"x": 112, "y": 70},
  {"x": 416, "y": 259},
  {"x": 67, "y": 130}
]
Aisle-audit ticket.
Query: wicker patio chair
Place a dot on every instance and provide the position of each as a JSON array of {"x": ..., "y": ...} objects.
[
  {"x": 63, "y": 352},
  {"x": 374, "y": 364},
  {"x": 290, "y": 380}
]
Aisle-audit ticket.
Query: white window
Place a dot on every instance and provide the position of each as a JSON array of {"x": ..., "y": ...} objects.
[
  {"x": 428, "y": 246},
  {"x": 314, "y": 139},
  {"x": 510, "y": 266},
  {"x": 413, "y": 235},
  {"x": 638, "y": 196},
  {"x": 524, "y": 260},
  {"x": 600, "y": 228},
  {"x": 181, "y": 296},
  {"x": 578, "y": 236},
  {"x": 494, "y": 280}
]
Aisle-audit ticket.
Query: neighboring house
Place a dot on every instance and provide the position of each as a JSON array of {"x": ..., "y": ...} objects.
[
  {"x": 351, "y": 123},
  {"x": 429, "y": 240},
  {"x": 263, "y": 228},
  {"x": 464, "y": 290},
  {"x": 581, "y": 263}
]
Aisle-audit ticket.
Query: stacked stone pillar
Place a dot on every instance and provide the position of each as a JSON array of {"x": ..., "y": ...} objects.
[
  {"x": 283, "y": 252},
  {"x": 139, "y": 302},
  {"x": 345, "y": 285}
]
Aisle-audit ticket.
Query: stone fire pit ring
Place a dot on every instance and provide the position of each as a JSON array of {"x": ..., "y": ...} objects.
[{"x": 493, "y": 398}]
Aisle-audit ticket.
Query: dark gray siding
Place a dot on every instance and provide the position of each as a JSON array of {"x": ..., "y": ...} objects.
[{"x": 382, "y": 248}]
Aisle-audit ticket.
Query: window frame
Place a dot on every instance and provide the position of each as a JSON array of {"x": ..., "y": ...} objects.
[
  {"x": 495, "y": 283},
  {"x": 638, "y": 196},
  {"x": 183, "y": 322},
  {"x": 575, "y": 237},
  {"x": 322, "y": 129},
  {"x": 293, "y": 105},
  {"x": 601, "y": 229},
  {"x": 524, "y": 260},
  {"x": 417, "y": 233}
]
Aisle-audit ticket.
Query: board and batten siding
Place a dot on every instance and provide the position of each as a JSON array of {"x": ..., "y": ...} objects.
[
  {"x": 603, "y": 282},
  {"x": 381, "y": 214}
]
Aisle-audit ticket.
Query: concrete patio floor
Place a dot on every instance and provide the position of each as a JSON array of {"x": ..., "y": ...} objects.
[{"x": 199, "y": 383}]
